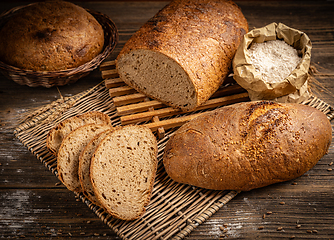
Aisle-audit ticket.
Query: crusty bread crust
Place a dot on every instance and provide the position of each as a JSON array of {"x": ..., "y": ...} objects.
[
  {"x": 61, "y": 130},
  {"x": 194, "y": 41},
  {"x": 123, "y": 170},
  {"x": 248, "y": 145},
  {"x": 50, "y": 36}
]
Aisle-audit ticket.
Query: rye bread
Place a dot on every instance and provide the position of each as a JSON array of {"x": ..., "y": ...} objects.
[
  {"x": 84, "y": 166},
  {"x": 123, "y": 169},
  {"x": 184, "y": 53},
  {"x": 61, "y": 130},
  {"x": 248, "y": 145},
  {"x": 70, "y": 150}
]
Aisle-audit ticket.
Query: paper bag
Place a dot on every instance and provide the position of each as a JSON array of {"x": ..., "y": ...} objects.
[{"x": 294, "y": 88}]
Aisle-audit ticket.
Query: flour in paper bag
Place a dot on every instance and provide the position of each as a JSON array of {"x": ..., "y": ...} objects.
[{"x": 275, "y": 60}]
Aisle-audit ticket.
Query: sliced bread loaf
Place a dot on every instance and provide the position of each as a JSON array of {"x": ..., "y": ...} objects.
[
  {"x": 69, "y": 151},
  {"x": 84, "y": 166},
  {"x": 123, "y": 170},
  {"x": 183, "y": 54},
  {"x": 60, "y": 131}
]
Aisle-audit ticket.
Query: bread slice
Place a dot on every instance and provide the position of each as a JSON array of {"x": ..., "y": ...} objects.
[
  {"x": 84, "y": 166},
  {"x": 69, "y": 152},
  {"x": 60, "y": 131},
  {"x": 123, "y": 170}
]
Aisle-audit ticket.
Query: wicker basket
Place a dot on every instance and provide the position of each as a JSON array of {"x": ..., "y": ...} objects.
[{"x": 63, "y": 77}]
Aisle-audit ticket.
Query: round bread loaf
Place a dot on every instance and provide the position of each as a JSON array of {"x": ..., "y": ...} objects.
[{"x": 50, "y": 36}]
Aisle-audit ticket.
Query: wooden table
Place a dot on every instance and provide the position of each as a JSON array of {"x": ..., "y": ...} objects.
[{"x": 33, "y": 205}]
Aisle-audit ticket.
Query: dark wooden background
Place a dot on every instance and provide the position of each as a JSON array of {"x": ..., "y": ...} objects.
[{"x": 33, "y": 205}]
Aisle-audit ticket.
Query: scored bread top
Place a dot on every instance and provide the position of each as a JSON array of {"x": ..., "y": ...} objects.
[
  {"x": 69, "y": 152},
  {"x": 248, "y": 145},
  {"x": 84, "y": 166},
  {"x": 123, "y": 170},
  {"x": 61, "y": 130}
]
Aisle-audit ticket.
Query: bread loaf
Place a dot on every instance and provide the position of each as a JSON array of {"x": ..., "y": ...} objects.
[
  {"x": 183, "y": 54},
  {"x": 248, "y": 145},
  {"x": 84, "y": 166},
  {"x": 69, "y": 152},
  {"x": 122, "y": 171},
  {"x": 61, "y": 130},
  {"x": 50, "y": 36}
]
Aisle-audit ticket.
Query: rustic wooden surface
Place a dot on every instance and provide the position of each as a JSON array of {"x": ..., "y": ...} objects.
[{"x": 33, "y": 205}]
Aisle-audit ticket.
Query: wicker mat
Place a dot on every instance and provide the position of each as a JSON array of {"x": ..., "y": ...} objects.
[{"x": 175, "y": 209}]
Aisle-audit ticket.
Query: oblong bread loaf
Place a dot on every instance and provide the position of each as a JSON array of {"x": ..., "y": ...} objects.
[
  {"x": 123, "y": 170},
  {"x": 69, "y": 152},
  {"x": 62, "y": 129},
  {"x": 183, "y": 54},
  {"x": 248, "y": 145}
]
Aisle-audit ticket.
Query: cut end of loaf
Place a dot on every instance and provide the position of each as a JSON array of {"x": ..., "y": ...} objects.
[
  {"x": 157, "y": 76},
  {"x": 123, "y": 169}
]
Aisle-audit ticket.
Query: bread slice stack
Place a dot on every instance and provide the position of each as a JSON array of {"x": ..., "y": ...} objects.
[
  {"x": 84, "y": 167},
  {"x": 69, "y": 152},
  {"x": 114, "y": 167},
  {"x": 61, "y": 130}
]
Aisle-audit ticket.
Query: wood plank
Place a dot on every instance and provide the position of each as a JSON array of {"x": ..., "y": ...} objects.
[
  {"x": 107, "y": 65},
  {"x": 138, "y": 107},
  {"x": 129, "y": 99},
  {"x": 229, "y": 90},
  {"x": 113, "y": 82},
  {"x": 147, "y": 116},
  {"x": 171, "y": 123},
  {"x": 222, "y": 101},
  {"x": 122, "y": 90},
  {"x": 111, "y": 73},
  {"x": 169, "y": 111}
]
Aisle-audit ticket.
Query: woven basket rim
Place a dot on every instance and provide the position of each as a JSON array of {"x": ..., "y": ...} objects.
[{"x": 111, "y": 40}]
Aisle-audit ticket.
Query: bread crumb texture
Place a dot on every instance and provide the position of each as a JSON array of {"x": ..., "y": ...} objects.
[
  {"x": 183, "y": 54},
  {"x": 84, "y": 166},
  {"x": 69, "y": 152},
  {"x": 61, "y": 130},
  {"x": 248, "y": 145},
  {"x": 123, "y": 170}
]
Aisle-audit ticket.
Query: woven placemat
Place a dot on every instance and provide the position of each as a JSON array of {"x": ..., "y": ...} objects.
[{"x": 175, "y": 209}]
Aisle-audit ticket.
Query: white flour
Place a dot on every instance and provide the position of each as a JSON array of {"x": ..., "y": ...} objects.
[{"x": 275, "y": 60}]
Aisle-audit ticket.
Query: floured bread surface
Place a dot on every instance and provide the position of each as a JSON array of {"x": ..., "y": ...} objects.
[
  {"x": 168, "y": 82},
  {"x": 123, "y": 170},
  {"x": 84, "y": 166},
  {"x": 60, "y": 131},
  {"x": 69, "y": 152}
]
